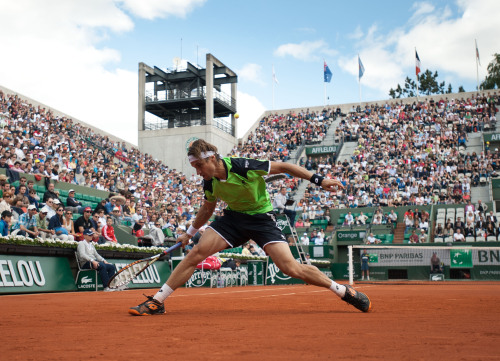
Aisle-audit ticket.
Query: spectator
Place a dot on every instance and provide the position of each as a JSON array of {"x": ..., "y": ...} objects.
[
  {"x": 42, "y": 223},
  {"x": 26, "y": 225},
  {"x": 393, "y": 217},
  {"x": 137, "y": 229},
  {"x": 76, "y": 206},
  {"x": 5, "y": 223},
  {"x": 372, "y": 240},
  {"x": 231, "y": 263},
  {"x": 246, "y": 250},
  {"x": 305, "y": 239},
  {"x": 56, "y": 224},
  {"x": 33, "y": 198},
  {"x": 116, "y": 217},
  {"x": 50, "y": 193},
  {"x": 7, "y": 198},
  {"x": 90, "y": 259},
  {"x": 423, "y": 236},
  {"x": 413, "y": 237},
  {"x": 85, "y": 222},
  {"x": 157, "y": 236},
  {"x": 253, "y": 250},
  {"x": 68, "y": 223},
  {"x": 458, "y": 236},
  {"x": 108, "y": 232},
  {"x": 439, "y": 231}
]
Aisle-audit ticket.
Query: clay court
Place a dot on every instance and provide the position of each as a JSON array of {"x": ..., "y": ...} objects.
[{"x": 409, "y": 322}]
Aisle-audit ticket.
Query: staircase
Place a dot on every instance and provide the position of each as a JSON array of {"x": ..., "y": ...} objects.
[{"x": 399, "y": 233}]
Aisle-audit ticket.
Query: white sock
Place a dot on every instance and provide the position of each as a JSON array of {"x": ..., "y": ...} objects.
[
  {"x": 163, "y": 293},
  {"x": 338, "y": 289}
]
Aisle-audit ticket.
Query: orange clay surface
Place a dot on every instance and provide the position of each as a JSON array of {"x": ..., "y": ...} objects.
[{"x": 459, "y": 321}]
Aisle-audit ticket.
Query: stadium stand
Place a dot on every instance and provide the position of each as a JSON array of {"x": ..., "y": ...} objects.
[{"x": 406, "y": 155}]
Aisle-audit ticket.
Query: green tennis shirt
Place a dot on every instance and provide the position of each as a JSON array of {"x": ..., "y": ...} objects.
[{"x": 244, "y": 189}]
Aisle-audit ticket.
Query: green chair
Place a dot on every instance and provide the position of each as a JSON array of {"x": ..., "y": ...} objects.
[{"x": 63, "y": 192}]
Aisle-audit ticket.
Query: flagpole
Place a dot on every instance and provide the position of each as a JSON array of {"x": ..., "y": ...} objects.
[
  {"x": 477, "y": 67},
  {"x": 359, "y": 81},
  {"x": 416, "y": 72}
]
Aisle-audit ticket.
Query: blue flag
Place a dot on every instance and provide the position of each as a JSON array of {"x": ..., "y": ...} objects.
[
  {"x": 361, "y": 68},
  {"x": 327, "y": 73}
]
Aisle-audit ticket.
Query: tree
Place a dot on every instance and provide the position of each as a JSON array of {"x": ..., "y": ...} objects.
[
  {"x": 461, "y": 89},
  {"x": 427, "y": 84},
  {"x": 492, "y": 80}
]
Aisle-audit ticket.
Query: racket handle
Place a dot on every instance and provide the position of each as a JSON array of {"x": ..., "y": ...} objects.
[{"x": 175, "y": 246}]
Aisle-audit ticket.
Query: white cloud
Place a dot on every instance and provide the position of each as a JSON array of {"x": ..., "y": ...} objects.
[
  {"x": 152, "y": 9},
  {"x": 422, "y": 8},
  {"x": 306, "y": 50},
  {"x": 252, "y": 73},
  {"x": 356, "y": 34},
  {"x": 249, "y": 109},
  {"x": 55, "y": 58},
  {"x": 444, "y": 43}
]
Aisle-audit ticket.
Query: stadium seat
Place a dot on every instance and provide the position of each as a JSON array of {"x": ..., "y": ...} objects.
[
  {"x": 491, "y": 239},
  {"x": 438, "y": 240},
  {"x": 470, "y": 239}
]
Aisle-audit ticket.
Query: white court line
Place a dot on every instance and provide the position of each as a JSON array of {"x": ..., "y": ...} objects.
[{"x": 229, "y": 292}]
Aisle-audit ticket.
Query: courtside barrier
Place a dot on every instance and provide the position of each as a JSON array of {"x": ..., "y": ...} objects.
[{"x": 34, "y": 274}]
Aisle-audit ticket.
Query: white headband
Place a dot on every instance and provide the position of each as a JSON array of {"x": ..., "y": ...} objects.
[{"x": 204, "y": 155}]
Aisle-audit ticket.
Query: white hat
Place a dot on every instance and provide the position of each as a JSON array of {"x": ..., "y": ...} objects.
[
  {"x": 31, "y": 206},
  {"x": 44, "y": 210},
  {"x": 56, "y": 201},
  {"x": 71, "y": 190},
  {"x": 305, "y": 234}
]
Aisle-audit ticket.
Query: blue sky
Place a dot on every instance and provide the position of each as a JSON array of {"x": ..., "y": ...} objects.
[{"x": 82, "y": 56}]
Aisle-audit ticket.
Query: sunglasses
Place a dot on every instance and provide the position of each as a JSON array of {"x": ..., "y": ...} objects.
[{"x": 87, "y": 212}]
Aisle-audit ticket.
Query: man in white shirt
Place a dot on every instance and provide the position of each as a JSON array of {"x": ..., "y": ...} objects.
[
  {"x": 458, "y": 236},
  {"x": 304, "y": 239},
  {"x": 90, "y": 259}
]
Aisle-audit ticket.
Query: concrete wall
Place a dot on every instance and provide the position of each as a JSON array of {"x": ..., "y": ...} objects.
[{"x": 170, "y": 145}]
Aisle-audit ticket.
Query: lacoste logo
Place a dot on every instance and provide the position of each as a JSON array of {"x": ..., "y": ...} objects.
[
  {"x": 247, "y": 163},
  {"x": 86, "y": 280}
]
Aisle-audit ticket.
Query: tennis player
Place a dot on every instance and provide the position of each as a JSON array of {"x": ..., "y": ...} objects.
[{"x": 249, "y": 215}]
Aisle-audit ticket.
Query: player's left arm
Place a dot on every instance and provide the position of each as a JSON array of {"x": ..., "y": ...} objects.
[{"x": 300, "y": 172}]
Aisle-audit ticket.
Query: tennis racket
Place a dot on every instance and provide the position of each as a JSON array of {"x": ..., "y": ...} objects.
[
  {"x": 123, "y": 277},
  {"x": 274, "y": 177}
]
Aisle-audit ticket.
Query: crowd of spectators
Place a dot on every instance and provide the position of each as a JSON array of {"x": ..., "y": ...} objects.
[
  {"x": 406, "y": 155},
  {"x": 409, "y": 154},
  {"x": 56, "y": 149}
]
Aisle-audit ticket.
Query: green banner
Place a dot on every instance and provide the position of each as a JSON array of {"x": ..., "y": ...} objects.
[
  {"x": 351, "y": 235},
  {"x": 321, "y": 150},
  {"x": 461, "y": 258},
  {"x": 493, "y": 137},
  {"x": 276, "y": 277},
  {"x": 20, "y": 274},
  {"x": 281, "y": 222},
  {"x": 256, "y": 273}
]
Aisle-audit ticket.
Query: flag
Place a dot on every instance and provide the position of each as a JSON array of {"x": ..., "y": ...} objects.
[
  {"x": 327, "y": 73},
  {"x": 274, "y": 77},
  {"x": 417, "y": 63},
  {"x": 361, "y": 68},
  {"x": 477, "y": 54}
]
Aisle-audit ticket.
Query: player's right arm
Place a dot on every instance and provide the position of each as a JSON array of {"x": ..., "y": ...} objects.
[{"x": 202, "y": 217}]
